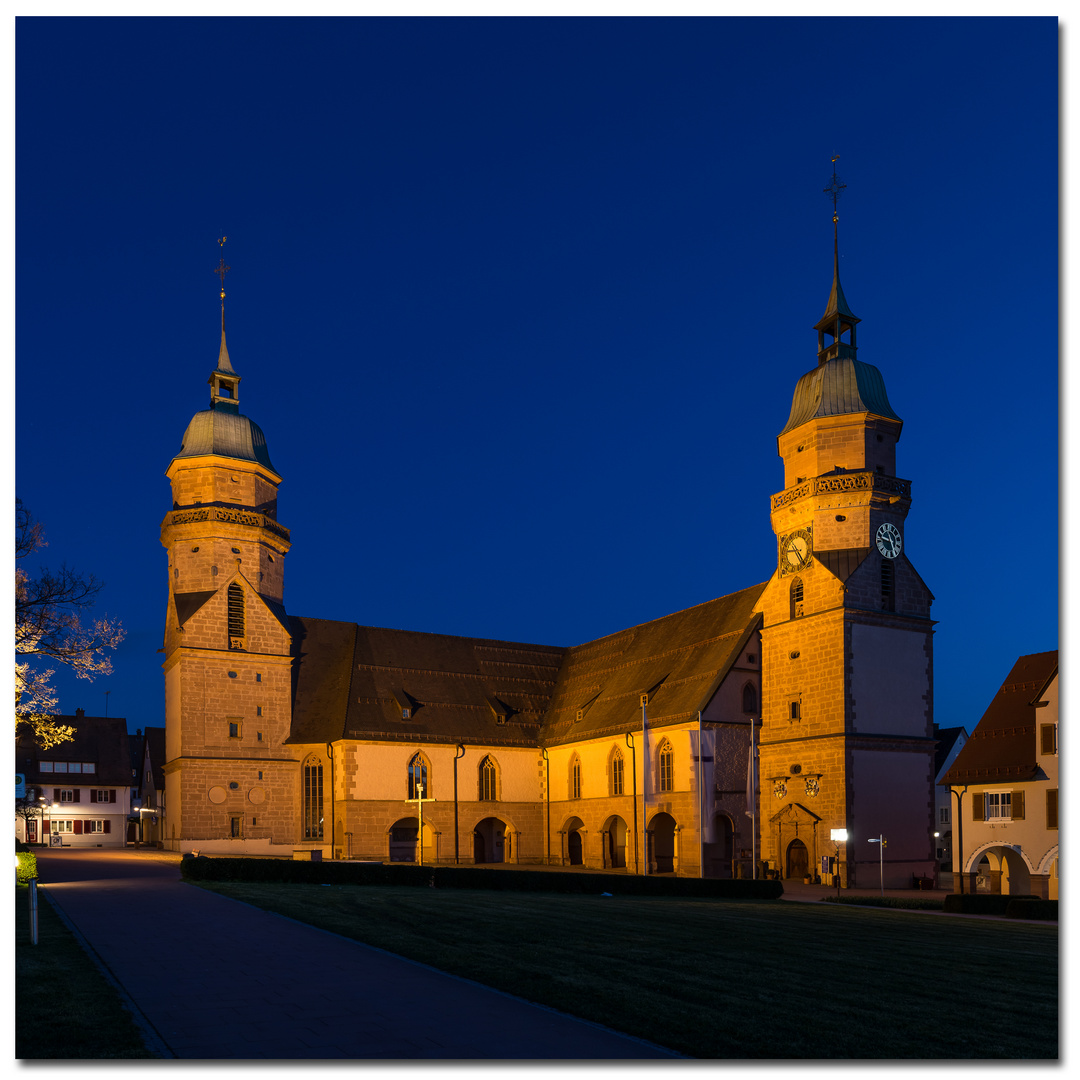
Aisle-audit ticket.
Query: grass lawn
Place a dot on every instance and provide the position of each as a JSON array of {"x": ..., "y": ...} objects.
[
  {"x": 722, "y": 978},
  {"x": 64, "y": 1007}
]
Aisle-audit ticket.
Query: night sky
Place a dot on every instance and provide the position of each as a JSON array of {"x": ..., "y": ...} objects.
[{"x": 520, "y": 305}]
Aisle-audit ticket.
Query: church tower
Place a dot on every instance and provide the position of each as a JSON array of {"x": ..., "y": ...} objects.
[
  {"x": 847, "y": 638},
  {"x": 230, "y": 782}
]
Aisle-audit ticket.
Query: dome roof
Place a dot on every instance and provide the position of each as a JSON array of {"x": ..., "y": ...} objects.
[
  {"x": 837, "y": 387},
  {"x": 227, "y": 434}
]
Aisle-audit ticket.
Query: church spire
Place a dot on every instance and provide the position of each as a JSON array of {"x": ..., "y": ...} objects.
[
  {"x": 838, "y": 318},
  {"x": 224, "y": 382}
]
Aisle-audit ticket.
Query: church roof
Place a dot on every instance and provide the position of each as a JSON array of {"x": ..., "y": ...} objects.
[
  {"x": 1003, "y": 747},
  {"x": 837, "y": 387},
  {"x": 356, "y": 682},
  {"x": 226, "y": 434},
  {"x": 677, "y": 660}
]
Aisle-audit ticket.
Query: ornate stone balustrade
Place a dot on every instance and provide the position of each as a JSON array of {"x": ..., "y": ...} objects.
[
  {"x": 231, "y": 515},
  {"x": 830, "y": 485}
]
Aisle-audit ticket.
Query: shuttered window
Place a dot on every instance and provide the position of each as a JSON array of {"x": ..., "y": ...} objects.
[
  {"x": 888, "y": 585},
  {"x": 1051, "y": 809},
  {"x": 1018, "y": 806},
  {"x": 978, "y": 806},
  {"x": 1048, "y": 738}
]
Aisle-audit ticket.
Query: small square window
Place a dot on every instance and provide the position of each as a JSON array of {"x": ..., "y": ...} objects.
[
  {"x": 258, "y": 736},
  {"x": 258, "y": 677},
  {"x": 796, "y": 710},
  {"x": 258, "y": 710},
  {"x": 234, "y": 729}
]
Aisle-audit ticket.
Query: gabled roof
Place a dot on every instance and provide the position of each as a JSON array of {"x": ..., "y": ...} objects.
[
  {"x": 1002, "y": 747},
  {"x": 355, "y": 682},
  {"x": 102, "y": 740},
  {"x": 946, "y": 738},
  {"x": 352, "y": 682},
  {"x": 155, "y": 742},
  {"x": 679, "y": 660}
]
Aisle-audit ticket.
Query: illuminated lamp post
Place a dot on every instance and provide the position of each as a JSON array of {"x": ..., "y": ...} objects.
[{"x": 838, "y": 837}]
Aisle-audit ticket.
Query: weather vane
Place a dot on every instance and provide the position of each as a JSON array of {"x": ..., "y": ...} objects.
[
  {"x": 221, "y": 271},
  {"x": 834, "y": 188}
]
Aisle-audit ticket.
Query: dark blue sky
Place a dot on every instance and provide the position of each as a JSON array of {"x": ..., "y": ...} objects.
[{"x": 520, "y": 305}]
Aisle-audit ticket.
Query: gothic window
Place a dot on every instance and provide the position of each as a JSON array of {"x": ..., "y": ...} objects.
[
  {"x": 888, "y": 585},
  {"x": 489, "y": 778},
  {"x": 236, "y": 616},
  {"x": 575, "y": 777},
  {"x": 749, "y": 698},
  {"x": 796, "y": 598},
  {"x": 665, "y": 762},
  {"x": 418, "y": 774},
  {"x": 313, "y": 799},
  {"x": 616, "y": 772}
]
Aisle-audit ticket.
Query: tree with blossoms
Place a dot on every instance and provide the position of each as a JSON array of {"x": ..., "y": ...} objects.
[{"x": 50, "y": 608}]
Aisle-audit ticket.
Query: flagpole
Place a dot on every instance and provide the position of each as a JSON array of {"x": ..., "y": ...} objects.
[{"x": 644, "y": 784}]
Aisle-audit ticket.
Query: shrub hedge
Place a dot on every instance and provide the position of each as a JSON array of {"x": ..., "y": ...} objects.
[
  {"x": 288, "y": 871},
  {"x": 1022, "y": 907},
  {"x": 914, "y": 904},
  {"x": 981, "y": 903}
]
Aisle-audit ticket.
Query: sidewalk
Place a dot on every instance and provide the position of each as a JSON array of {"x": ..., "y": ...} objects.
[{"x": 218, "y": 979}]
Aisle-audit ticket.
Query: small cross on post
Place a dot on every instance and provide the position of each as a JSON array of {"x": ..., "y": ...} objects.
[
  {"x": 420, "y": 800},
  {"x": 222, "y": 269}
]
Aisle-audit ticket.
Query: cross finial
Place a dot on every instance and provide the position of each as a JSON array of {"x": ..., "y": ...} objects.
[
  {"x": 834, "y": 188},
  {"x": 221, "y": 271}
]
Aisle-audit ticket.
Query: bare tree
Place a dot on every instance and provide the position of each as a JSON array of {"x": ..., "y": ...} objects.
[{"x": 48, "y": 629}]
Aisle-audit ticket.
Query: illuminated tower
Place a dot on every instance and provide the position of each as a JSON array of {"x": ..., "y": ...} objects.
[
  {"x": 847, "y": 641},
  {"x": 230, "y": 784}
]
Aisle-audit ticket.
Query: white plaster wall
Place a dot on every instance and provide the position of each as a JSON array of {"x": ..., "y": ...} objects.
[
  {"x": 890, "y": 680},
  {"x": 382, "y": 772}
]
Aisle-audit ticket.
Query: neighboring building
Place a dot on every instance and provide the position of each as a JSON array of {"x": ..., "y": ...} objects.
[
  {"x": 83, "y": 786},
  {"x": 1004, "y": 788},
  {"x": 950, "y": 742},
  {"x": 146, "y": 825},
  {"x": 288, "y": 733}
]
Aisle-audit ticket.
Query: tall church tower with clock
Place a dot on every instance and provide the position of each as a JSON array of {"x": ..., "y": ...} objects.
[{"x": 847, "y": 639}]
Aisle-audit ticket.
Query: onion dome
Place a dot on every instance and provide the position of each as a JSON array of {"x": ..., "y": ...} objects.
[{"x": 222, "y": 429}]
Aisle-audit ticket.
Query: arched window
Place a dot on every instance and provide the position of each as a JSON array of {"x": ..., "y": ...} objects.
[
  {"x": 418, "y": 774},
  {"x": 616, "y": 772},
  {"x": 749, "y": 698},
  {"x": 236, "y": 616},
  {"x": 888, "y": 585},
  {"x": 665, "y": 766},
  {"x": 796, "y": 598},
  {"x": 575, "y": 777},
  {"x": 312, "y": 793},
  {"x": 489, "y": 781}
]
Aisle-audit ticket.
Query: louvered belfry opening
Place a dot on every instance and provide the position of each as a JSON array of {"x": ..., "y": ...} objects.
[
  {"x": 236, "y": 617},
  {"x": 888, "y": 585}
]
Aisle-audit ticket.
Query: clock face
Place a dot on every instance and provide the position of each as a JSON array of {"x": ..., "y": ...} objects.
[
  {"x": 795, "y": 550},
  {"x": 888, "y": 540}
]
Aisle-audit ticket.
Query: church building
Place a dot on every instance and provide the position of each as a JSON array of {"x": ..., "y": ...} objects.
[{"x": 293, "y": 735}]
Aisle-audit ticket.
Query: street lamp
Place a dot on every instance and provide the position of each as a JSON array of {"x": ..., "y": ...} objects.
[
  {"x": 881, "y": 858},
  {"x": 838, "y": 837}
]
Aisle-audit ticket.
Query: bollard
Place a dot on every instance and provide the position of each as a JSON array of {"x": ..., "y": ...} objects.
[{"x": 33, "y": 912}]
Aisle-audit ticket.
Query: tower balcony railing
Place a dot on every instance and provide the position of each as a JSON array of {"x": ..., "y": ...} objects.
[
  {"x": 873, "y": 482},
  {"x": 227, "y": 514}
]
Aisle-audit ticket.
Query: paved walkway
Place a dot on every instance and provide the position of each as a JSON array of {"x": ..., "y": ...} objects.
[{"x": 214, "y": 978}]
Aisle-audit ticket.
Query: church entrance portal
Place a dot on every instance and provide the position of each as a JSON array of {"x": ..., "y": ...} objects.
[
  {"x": 798, "y": 860},
  {"x": 662, "y": 844},
  {"x": 489, "y": 840},
  {"x": 615, "y": 842}
]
